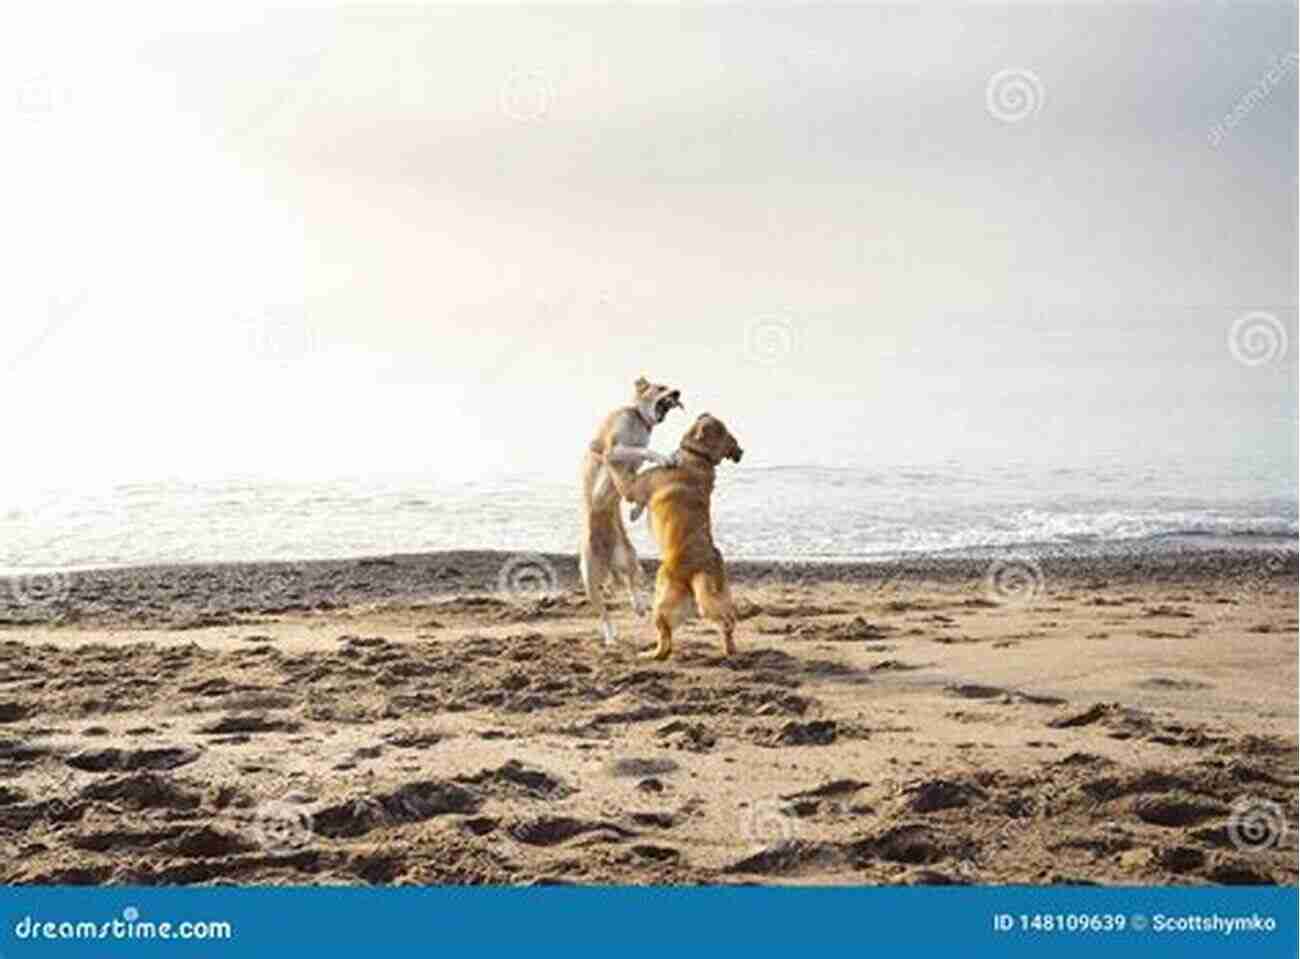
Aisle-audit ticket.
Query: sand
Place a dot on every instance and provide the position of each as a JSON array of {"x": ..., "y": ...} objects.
[{"x": 431, "y": 719}]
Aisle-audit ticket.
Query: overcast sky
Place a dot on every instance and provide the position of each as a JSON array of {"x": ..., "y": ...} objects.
[{"x": 334, "y": 242}]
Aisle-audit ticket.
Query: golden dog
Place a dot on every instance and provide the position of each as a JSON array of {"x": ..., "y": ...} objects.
[{"x": 679, "y": 497}]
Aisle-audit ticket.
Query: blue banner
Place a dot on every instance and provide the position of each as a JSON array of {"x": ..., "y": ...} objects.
[{"x": 620, "y": 922}]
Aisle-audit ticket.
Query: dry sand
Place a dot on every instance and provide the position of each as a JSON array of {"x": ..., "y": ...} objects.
[{"x": 405, "y": 721}]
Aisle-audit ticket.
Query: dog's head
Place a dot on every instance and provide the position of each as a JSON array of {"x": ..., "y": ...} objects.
[
  {"x": 710, "y": 437},
  {"x": 654, "y": 400}
]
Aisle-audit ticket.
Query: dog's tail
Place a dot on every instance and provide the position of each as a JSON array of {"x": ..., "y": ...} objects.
[
  {"x": 713, "y": 598},
  {"x": 605, "y": 521}
]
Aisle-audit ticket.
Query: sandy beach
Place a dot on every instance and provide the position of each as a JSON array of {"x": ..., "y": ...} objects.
[{"x": 433, "y": 719}]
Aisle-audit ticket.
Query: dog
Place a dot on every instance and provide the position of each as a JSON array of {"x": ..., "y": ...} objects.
[
  {"x": 679, "y": 498},
  {"x": 620, "y": 447}
]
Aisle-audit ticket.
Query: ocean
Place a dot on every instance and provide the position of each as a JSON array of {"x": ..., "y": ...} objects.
[{"x": 783, "y": 512}]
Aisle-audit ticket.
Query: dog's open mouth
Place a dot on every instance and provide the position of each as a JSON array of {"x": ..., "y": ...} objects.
[{"x": 666, "y": 403}]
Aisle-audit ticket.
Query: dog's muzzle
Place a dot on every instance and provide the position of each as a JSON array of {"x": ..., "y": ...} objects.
[
  {"x": 666, "y": 403},
  {"x": 736, "y": 454}
]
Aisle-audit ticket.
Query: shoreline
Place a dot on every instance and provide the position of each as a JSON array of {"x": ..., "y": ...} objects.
[{"x": 177, "y": 594}]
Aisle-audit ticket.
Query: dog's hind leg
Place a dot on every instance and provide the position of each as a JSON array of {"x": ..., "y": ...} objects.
[
  {"x": 713, "y": 598},
  {"x": 594, "y": 572},
  {"x": 672, "y": 602},
  {"x": 629, "y": 570}
]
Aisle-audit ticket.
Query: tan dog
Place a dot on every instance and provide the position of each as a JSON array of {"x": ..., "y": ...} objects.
[
  {"x": 620, "y": 447},
  {"x": 679, "y": 498}
]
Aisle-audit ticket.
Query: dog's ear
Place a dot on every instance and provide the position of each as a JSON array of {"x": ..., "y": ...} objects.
[{"x": 641, "y": 384}]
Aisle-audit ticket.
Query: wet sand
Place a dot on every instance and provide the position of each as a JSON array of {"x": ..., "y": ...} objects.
[{"x": 452, "y": 718}]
